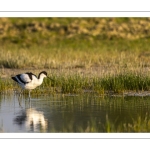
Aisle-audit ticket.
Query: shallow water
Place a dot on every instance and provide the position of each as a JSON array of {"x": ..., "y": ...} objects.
[{"x": 70, "y": 113}]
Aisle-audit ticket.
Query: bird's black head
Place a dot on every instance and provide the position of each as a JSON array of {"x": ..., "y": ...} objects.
[{"x": 43, "y": 72}]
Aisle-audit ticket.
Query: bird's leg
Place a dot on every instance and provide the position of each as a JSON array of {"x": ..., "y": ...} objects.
[
  {"x": 20, "y": 93},
  {"x": 29, "y": 99},
  {"x": 29, "y": 95},
  {"x": 19, "y": 100}
]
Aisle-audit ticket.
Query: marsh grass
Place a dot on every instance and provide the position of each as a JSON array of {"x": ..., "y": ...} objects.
[
  {"x": 73, "y": 54},
  {"x": 5, "y": 85},
  {"x": 102, "y": 85},
  {"x": 76, "y": 83},
  {"x": 123, "y": 82}
]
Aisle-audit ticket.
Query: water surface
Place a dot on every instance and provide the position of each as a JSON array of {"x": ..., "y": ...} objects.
[{"x": 75, "y": 113}]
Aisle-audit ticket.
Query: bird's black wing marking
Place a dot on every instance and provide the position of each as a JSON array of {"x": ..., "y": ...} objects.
[
  {"x": 18, "y": 76},
  {"x": 15, "y": 79},
  {"x": 30, "y": 75}
]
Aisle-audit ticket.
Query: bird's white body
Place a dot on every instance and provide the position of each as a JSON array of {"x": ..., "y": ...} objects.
[
  {"x": 29, "y": 80},
  {"x": 30, "y": 84}
]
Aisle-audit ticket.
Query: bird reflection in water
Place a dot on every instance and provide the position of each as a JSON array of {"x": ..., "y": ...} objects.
[{"x": 33, "y": 120}]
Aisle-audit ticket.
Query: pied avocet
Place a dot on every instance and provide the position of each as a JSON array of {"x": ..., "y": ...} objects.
[{"x": 29, "y": 80}]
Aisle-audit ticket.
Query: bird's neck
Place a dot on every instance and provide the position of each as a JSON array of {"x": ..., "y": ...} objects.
[{"x": 39, "y": 81}]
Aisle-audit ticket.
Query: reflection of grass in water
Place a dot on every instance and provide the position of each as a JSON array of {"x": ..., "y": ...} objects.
[
  {"x": 119, "y": 117},
  {"x": 93, "y": 126},
  {"x": 139, "y": 125},
  {"x": 112, "y": 123}
]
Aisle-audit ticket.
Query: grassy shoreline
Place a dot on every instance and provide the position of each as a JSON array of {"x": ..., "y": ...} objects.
[{"x": 79, "y": 83}]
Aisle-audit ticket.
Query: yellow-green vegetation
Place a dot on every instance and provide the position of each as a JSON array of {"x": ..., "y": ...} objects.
[
  {"x": 74, "y": 42},
  {"x": 79, "y": 84},
  {"x": 97, "y": 54},
  {"x": 141, "y": 125}
]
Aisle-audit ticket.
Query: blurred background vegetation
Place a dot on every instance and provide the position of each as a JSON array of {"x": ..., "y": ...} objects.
[
  {"x": 44, "y": 31},
  {"x": 60, "y": 43}
]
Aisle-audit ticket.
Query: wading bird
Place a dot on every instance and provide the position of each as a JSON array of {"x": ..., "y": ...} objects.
[{"x": 29, "y": 80}]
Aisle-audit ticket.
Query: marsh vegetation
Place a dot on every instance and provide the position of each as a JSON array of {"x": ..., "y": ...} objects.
[{"x": 80, "y": 54}]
